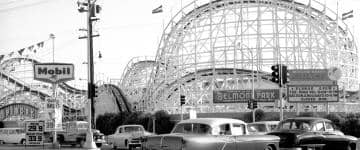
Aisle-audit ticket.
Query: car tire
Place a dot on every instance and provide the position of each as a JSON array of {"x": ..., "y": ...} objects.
[
  {"x": 269, "y": 147},
  {"x": 98, "y": 145},
  {"x": 2, "y": 142},
  {"x": 82, "y": 142},
  {"x": 113, "y": 146},
  {"x": 23, "y": 142}
]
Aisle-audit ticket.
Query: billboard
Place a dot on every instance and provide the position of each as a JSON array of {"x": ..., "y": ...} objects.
[
  {"x": 53, "y": 72},
  {"x": 312, "y": 93},
  {"x": 310, "y": 76},
  {"x": 242, "y": 96}
]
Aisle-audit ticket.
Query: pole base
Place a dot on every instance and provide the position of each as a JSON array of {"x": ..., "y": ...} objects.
[
  {"x": 89, "y": 143},
  {"x": 56, "y": 145}
]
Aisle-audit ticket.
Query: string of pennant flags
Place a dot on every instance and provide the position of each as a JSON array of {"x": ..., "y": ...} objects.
[{"x": 32, "y": 48}]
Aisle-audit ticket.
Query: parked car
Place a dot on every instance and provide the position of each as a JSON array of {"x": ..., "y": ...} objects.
[
  {"x": 75, "y": 133},
  {"x": 210, "y": 134},
  {"x": 312, "y": 133},
  {"x": 12, "y": 135},
  {"x": 262, "y": 127},
  {"x": 127, "y": 136}
]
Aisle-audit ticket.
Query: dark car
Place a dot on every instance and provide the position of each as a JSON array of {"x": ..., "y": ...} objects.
[
  {"x": 210, "y": 134},
  {"x": 310, "y": 133}
]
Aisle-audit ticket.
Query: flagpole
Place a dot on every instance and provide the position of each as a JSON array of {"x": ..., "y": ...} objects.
[{"x": 52, "y": 37}]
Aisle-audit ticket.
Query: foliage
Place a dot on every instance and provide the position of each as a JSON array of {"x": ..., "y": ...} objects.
[
  {"x": 308, "y": 114},
  {"x": 336, "y": 119},
  {"x": 108, "y": 122},
  {"x": 259, "y": 116}
]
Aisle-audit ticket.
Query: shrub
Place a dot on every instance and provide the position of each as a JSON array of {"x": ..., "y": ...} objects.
[{"x": 308, "y": 114}]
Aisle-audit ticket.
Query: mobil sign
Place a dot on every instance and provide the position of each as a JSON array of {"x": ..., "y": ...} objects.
[{"x": 53, "y": 72}]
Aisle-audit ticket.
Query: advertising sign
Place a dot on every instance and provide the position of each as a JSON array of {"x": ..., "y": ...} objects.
[
  {"x": 34, "y": 132},
  {"x": 242, "y": 96},
  {"x": 312, "y": 93},
  {"x": 310, "y": 76},
  {"x": 53, "y": 72},
  {"x": 54, "y": 123}
]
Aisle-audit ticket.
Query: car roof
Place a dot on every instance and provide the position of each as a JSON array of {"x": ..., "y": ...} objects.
[
  {"x": 212, "y": 121},
  {"x": 131, "y": 125},
  {"x": 312, "y": 119},
  {"x": 265, "y": 122}
]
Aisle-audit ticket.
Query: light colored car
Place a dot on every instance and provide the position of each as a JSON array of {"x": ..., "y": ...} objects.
[
  {"x": 262, "y": 127},
  {"x": 127, "y": 136},
  {"x": 12, "y": 135},
  {"x": 210, "y": 134}
]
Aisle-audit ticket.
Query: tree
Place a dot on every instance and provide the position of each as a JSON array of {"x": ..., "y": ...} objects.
[{"x": 163, "y": 122}]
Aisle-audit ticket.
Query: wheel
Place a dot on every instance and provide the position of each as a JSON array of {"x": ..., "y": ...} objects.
[
  {"x": 23, "y": 141},
  {"x": 2, "y": 142},
  {"x": 113, "y": 147},
  {"x": 269, "y": 147},
  {"x": 98, "y": 145},
  {"x": 348, "y": 147},
  {"x": 82, "y": 142}
]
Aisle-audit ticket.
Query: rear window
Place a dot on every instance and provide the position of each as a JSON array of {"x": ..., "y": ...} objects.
[
  {"x": 132, "y": 129},
  {"x": 192, "y": 128}
]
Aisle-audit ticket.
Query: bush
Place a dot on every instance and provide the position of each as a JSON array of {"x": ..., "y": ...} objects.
[
  {"x": 351, "y": 126},
  {"x": 308, "y": 114},
  {"x": 336, "y": 119},
  {"x": 259, "y": 115},
  {"x": 163, "y": 122}
]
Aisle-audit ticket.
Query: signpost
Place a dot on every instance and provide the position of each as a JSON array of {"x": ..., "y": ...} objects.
[
  {"x": 242, "y": 96},
  {"x": 34, "y": 132},
  {"x": 54, "y": 73}
]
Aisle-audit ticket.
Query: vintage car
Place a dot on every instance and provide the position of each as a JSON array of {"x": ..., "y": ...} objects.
[
  {"x": 262, "y": 127},
  {"x": 210, "y": 134},
  {"x": 308, "y": 133},
  {"x": 127, "y": 136}
]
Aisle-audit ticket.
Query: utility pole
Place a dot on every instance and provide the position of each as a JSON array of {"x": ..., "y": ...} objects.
[{"x": 90, "y": 144}]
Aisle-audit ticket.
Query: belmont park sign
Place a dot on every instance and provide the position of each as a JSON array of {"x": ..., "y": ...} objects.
[{"x": 53, "y": 72}]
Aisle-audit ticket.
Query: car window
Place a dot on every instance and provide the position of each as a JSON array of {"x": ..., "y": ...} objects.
[
  {"x": 285, "y": 125},
  {"x": 196, "y": 128},
  {"x": 225, "y": 129},
  {"x": 238, "y": 129},
  {"x": 329, "y": 126},
  {"x": 201, "y": 129},
  {"x": 121, "y": 130},
  {"x": 258, "y": 127},
  {"x": 295, "y": 125},
  {"x": 132, "y": 129},
  {"x": 319, "y": 127},
  {"x": 272, "y": 127}
]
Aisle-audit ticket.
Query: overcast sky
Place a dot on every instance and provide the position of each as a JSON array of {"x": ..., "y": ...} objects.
[{"x": 127, "y": 29}]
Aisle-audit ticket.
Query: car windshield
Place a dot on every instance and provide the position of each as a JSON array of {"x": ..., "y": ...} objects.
[
  {"x": 257, "y": 127},
  {"x": 295, "y": 125},
  {"x": 192, "y": 128},
  {"x": 132, "y": 129}
]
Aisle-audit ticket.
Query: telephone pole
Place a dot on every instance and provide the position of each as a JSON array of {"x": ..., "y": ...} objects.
[{"x": 91, "y": 10}]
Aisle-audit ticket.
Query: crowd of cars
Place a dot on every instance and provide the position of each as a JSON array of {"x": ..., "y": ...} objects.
[{"x": 300, "y": 133}]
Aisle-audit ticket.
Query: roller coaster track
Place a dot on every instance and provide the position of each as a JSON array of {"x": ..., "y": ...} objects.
[{"x": 120, "y": 99}]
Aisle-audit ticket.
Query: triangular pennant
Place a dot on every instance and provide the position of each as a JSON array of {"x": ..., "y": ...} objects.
[
  {"x": 40, "y": 44},
  {"x": 21, "y": 51}
]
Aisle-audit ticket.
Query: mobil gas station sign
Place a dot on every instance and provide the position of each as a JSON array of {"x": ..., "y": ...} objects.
[{"x": 53, "y": 72}]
